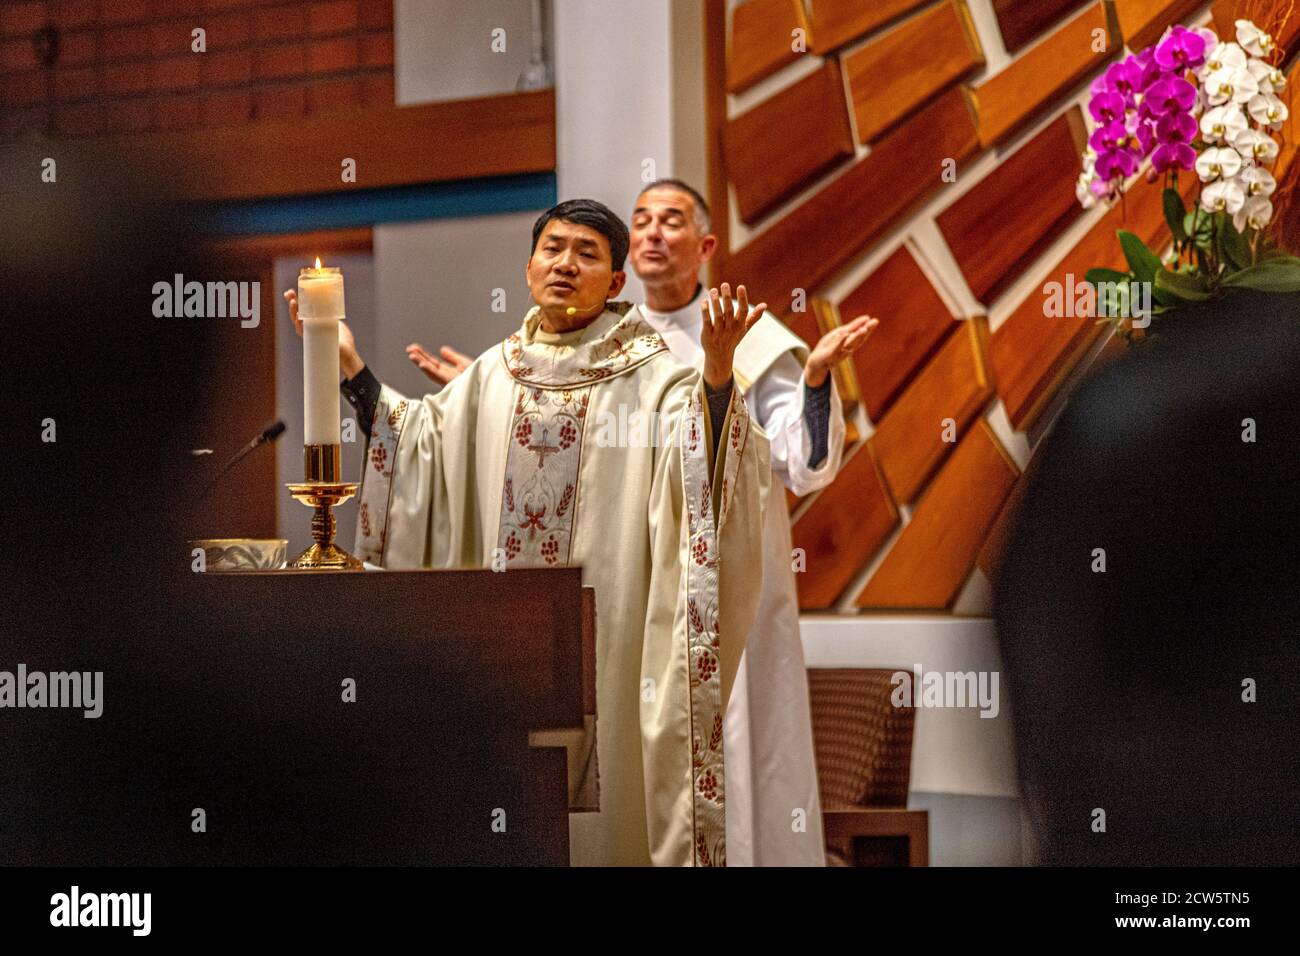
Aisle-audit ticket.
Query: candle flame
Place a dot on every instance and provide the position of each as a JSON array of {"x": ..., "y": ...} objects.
[{"x": 318, "y": 262}]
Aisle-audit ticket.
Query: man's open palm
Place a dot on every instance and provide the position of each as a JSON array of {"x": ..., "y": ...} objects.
[
  {"x": 441, "y": 370},
  {"x": 723, "y": 327}
]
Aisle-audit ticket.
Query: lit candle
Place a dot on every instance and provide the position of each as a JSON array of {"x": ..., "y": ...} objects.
[{"x": 320, "y": 307}]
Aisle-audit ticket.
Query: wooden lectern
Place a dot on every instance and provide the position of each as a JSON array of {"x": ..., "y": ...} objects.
[{"x": 453, "y": 671}]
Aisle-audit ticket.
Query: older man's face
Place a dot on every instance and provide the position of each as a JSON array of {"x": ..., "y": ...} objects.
[{"x": 666, "y": 242}]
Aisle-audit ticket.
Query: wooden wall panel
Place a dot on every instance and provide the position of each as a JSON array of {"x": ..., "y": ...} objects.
[
  {"x": 842, "y": 529},
  {"x": 999, "y": 227},
  {"x": 932, "y": 558},
  {"x": 810, "y": 244},
  {"x": 913, "y": 322},
  {"x": 909, "y": 439},
  {"x": 398, "y": 145},
  {"x": 1027, "y": 87},
  {"x": 893, "y": 75},
  {"x": 1142, "y": 21},
  {"x": 814, "y": 135},
  {"x": 1022, "y": 21},
  {"x": 837, "y": 22},
  {"x": 1290, "y": 132},
  {"x": 761, "y": 41},
  {"x": 1031, "y": 353}
]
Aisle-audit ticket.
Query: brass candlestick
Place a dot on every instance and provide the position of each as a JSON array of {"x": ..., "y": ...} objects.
[{"x": 322, "y": 490}]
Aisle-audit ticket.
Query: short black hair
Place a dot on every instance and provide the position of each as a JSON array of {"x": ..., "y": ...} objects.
[
  {"x": 704, "y": 219},
  {"x": 588, "y": 212}
]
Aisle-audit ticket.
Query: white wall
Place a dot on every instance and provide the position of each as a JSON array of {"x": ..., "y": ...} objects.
[
  {"x": 436, "y": 282},
  {"x": 443, "y": 48},
  {"x": 628, "y": 110}
]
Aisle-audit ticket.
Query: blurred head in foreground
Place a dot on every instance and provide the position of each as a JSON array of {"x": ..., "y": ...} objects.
[{"x": 1154, "y": 702}]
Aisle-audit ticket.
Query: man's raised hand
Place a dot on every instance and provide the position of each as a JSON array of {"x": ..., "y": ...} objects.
[
  {"x": 723, "y": 327},
  {"x": 350, "y": 361},
  {"x": 441, "y": 370},
  {"x": 835, "y": 345}
]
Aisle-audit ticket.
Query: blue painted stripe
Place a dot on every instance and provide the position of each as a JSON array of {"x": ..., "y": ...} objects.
[{"x": 366, "y": 207}]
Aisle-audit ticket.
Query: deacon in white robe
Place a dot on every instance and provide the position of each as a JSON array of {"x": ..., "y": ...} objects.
[
  {"x": 515, "y": 464},
  {"x": 773, "y": 805}
]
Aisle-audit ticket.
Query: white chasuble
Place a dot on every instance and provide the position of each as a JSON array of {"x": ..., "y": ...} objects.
[
  {"x": 527, "y": 459},
  {"x": 773, "y": 806}
]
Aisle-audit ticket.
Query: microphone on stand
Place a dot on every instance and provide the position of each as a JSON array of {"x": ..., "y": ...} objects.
[{"x": 268, "y": 434}]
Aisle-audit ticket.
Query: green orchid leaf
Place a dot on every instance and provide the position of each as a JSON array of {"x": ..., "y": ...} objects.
[
  {"x": 1141, "y": 260},
  {"x": 1234, "y": 248},
  {"x": 1273, "y": 275},
  {"x": 1180, "y": 285},
  {"x": 1175, "y": 214},
  {"x": 1098, "y": 276}
]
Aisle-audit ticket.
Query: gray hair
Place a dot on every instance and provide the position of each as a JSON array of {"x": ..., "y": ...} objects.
[{"x": 703, "y": 219}]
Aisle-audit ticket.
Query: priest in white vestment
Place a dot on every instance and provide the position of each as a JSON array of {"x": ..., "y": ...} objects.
[
  {"x": 773, "y": 806},
  {"x": 509, "y": 466}
]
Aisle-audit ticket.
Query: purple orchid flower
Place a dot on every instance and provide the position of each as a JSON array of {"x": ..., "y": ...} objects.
[
  {"x": 1107, "y": 107},
  {"x": 1181, "y": 50},
  {"x": 1172, "y": 94},
  {"x": 1108, "y": 137},
  {"x": 1175, "y": 132},
  {"x": 1117, "y": 164},
  {"x": 1123, "y": 78}
]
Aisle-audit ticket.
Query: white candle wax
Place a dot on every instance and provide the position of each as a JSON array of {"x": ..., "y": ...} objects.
[{"x": 320, "y": 306}]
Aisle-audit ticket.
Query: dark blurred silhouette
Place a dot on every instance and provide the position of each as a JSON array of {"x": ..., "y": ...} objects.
[{"x": 1126, "y": 687}]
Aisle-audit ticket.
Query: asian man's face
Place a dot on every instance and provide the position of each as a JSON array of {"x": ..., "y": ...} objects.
[{"x": 571, "y": 267}]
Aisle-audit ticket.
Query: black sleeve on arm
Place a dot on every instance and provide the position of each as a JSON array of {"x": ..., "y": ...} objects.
[
  {"x": 816, "y": 414},
  {"x": 362, "y": 393},
  {"x": 719, "y": 400}
]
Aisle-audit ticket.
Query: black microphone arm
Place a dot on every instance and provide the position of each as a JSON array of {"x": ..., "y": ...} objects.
[{"x": 268, "y": 434}]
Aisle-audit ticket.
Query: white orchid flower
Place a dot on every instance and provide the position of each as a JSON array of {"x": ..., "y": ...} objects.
[
  {"x": 1257, "y": 181},
  {"x": 1230, "y": 84},
  {"x": 1253, "y": 40},
  {"x": 1277, "y": 80},
  {"x": 1225, "y": 195},
  {"x": 1267, "y": 110},
  {"x": 1257, "y": 146},
  {"x": 1223, "y": 123},
  {"x": 1218, "y": 163},
  {"x": 1083, "y": 192},
  {"x": 1255, "y": 213},
  {"x": 1225, "y": 56},
  {"x": 1263, "y": 74}
]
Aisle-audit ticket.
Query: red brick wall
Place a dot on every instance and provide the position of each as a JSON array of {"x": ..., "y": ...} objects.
[{"x": 126, "y": 66}]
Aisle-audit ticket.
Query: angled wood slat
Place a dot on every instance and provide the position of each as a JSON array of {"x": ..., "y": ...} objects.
[
  {"x": 1021, "y": 21},
  {"x": 835, "y": 224},
  {"x": 954, "y": 384},
  {"x": 933, "y": 556},
  {"x": 1290, "y": 132},
  {"x": 894, "y": 74},
  {"x": 401, "y": 145},
  {"x": 836, "y": 22},
  {"x": 1142, "y": 21},
  {"x": 1027, "y": 87},
  {"x": 913, "y": 321},
  {"x": 1009, "y": 217},
  {"x": 842, "y": 529},
  {"x": 814, "y": 135},
  {"x": 1286, "y": 32},
  {"x": 761, "y": 40},
  {"x": 1031, "y": 352}
]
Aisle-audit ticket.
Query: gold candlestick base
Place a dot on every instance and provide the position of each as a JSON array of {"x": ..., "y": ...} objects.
[{"x": 324, "y": 554}]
